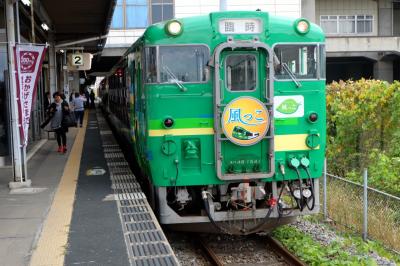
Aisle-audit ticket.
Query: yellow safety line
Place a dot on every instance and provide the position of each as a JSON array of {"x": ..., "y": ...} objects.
[{"x": 52, "y": 245}]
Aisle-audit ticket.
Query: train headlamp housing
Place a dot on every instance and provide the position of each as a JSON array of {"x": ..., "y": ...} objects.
[
  {"x": 174, "y": 27},
  {"x": 302, "y": 26},
  {"x": 312, "y": 117},
  {"x": 168, "y": 122}
]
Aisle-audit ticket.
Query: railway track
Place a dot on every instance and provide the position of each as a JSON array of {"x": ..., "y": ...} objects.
[{"x": 276, "y": 253}]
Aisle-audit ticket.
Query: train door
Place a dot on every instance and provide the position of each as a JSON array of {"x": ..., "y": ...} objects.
[{"x": 243, "y": 108}]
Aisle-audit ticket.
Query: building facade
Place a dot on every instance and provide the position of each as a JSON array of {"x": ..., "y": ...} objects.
[
  {"x": 131, "y": 17},
  {"x": 362, "y": 37}
]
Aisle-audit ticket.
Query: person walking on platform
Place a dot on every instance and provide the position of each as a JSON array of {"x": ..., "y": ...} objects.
[
  {"x": 78, "y": 104},
  {"x": 92, "y": 96},
  {"x": 87, "y": 98},
  {"x": 57, "y": 111}
]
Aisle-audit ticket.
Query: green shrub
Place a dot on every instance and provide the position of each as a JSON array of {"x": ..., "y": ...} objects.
[{"x": 363, "y": 119}]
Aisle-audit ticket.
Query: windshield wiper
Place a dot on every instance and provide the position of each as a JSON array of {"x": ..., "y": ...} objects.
[
  {"x": 174, "y": 78},
  {"x": 291, "y": 74},
  {"x": 287, "y": 69}
]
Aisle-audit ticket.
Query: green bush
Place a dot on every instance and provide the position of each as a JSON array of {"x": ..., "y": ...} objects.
[
  {"x": 313, "y": 253},
  {"x": 363, "y": 119}
]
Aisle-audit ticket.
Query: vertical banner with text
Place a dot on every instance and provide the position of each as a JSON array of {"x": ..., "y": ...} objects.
[{"x": 28, "y": 64}]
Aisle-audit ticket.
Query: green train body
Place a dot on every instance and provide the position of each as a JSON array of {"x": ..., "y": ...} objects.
[{"x": 227, "y": 110}]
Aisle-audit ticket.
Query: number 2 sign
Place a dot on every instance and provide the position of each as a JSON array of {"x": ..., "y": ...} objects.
[{"x": 77, "y": 59}]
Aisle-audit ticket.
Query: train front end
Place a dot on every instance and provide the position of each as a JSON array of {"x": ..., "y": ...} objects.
[{"x": 236, "y": 120}]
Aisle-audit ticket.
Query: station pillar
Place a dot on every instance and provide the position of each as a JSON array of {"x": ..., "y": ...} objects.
[
  {"x": 308, "y": 10},
  {"x": 18, "y": 153},
  {"x": 52, "y": 65},
  {"x": 383, "y": 70}
]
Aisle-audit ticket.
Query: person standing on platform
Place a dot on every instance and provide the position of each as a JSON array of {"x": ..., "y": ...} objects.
[
  {"x": 87, "y": 98},
  {"x": 92, "y": 96},
  {"x": 57, "y": 111},
  {"x": 78, "y": 104}
]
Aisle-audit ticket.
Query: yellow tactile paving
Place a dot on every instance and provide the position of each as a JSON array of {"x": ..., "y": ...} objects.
[{"x": 52, "y": 244}]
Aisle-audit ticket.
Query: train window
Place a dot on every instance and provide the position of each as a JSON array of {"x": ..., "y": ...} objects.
[
  {"x": 301, "y": 60},
  {"x": 150, "y": 65},
  {"x": 241, "y": 72},
  {"x": 184, "y": 63}
]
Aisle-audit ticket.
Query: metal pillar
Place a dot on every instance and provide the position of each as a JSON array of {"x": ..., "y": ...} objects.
[
  {"x": 52, "y": 65},
  {"x": 365, "y": 207},
  {"x": 325, "y": 204},
  {"x": 65, "y": 79},
  {"x": 33, "y": 22},
  {"x": 19, "y": 154}
]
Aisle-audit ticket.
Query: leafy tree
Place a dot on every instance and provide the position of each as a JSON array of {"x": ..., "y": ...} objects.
[{"x": 363, "y": 131}]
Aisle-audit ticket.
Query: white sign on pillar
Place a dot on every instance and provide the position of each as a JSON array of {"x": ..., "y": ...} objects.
[{"x": 77, "y": 59}]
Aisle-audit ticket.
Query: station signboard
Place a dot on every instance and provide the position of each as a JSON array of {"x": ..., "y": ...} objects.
[{"x": 79, "y": 61}]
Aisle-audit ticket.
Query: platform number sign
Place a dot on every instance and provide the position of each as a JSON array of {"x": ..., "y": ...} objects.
[{"x": 77, "y": 59}]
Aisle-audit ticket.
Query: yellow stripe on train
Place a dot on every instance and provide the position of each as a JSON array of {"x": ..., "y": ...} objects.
[
  {"x": 181, "y": 132},
  {"x": 291, "y": 142}
]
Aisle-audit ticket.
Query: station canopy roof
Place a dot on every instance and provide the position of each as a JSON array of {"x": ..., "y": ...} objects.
[{"x": 75, "y": 22}]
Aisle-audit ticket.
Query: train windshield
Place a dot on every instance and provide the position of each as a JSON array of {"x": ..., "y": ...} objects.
[
  {"x": 184, "y": 63},
  {"x": 300, "y": 60},
  {"x": 241, "y": 72}
]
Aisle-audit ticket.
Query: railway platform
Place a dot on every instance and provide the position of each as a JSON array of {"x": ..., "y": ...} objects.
[{"x": 85, "y": 207}]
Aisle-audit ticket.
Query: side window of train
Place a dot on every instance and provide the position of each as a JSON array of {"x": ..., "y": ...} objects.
[
  {"x": 150, "y": 65},
  {"x": 299, "y": 59}
]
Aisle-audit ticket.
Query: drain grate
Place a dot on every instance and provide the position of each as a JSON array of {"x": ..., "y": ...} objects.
[{"x": 145, "y": 240}]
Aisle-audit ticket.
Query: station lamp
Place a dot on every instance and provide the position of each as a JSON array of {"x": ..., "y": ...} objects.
[
  {"x": 44, "y": 26},
  {"x": 26, "y": 2}
]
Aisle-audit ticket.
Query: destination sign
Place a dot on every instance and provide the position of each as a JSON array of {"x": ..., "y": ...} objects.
[{"x": 240, "y": 26}]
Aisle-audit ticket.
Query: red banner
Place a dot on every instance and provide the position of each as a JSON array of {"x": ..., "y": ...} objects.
[{"x": 28, "y": 64}]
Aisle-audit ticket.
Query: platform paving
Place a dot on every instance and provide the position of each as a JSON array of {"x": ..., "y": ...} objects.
[
  {"x": 106, "y": 220},
  {"x": 96, "y": 236},
  {"x": 22, "y": 215}
]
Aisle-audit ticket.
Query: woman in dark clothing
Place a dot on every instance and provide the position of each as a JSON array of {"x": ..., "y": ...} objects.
[
  {"x": 92, "y": 96},
  {"x": 57, "y": 111}
]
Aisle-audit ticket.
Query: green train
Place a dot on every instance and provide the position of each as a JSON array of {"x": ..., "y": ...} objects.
[{"x": 225, "y": 116}]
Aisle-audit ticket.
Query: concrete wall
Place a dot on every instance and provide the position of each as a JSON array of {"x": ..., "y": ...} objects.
[
  {"x": 348, "y": 7},
  {"x": 383, "y": 70},
  {"x": 120, "y": 38},
  {"x": 363, "y": 44},
  {"x": 385, "y": 18}
]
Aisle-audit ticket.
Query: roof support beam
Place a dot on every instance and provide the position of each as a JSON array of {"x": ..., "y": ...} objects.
[{"x": 64, "y": 44}]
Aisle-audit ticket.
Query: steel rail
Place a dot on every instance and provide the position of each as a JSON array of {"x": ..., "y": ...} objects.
[
  {"x": 209, "y": 252},
  {"x": 284, "y": 253}
]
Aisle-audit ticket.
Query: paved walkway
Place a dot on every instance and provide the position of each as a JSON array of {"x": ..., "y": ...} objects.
[{"x": 22, "y": 215}]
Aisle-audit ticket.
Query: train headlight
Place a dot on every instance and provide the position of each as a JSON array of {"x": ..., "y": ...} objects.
[
  {"x": 302, "y": 26},
  {"x": 173, "y": 27}
]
